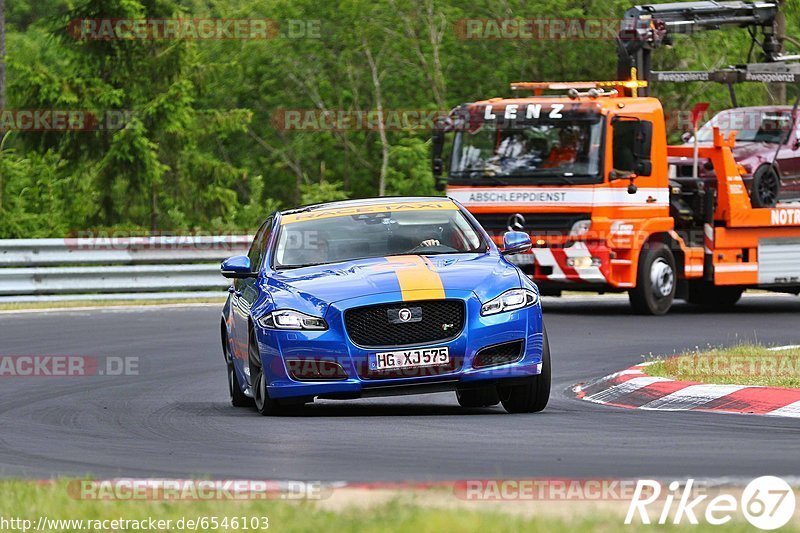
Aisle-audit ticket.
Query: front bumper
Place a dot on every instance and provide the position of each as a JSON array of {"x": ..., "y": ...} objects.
[
  {"x": 334, "y": 345},
  {"x": 577, "y": 263}
]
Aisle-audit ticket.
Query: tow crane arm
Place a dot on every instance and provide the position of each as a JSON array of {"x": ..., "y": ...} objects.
[{"x": 648, "y": 27}]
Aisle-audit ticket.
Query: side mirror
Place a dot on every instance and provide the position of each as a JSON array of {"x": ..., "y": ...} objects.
[
  {"x": 515, "y": 242},
  {"x": 237, "y": 267}
]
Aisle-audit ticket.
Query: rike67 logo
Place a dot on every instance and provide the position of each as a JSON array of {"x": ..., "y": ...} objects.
[{"x": 767, "y": 503}]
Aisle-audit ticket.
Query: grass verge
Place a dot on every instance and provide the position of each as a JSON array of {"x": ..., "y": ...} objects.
[
  {"x": 27, "y": 500},
  {"x": 743, "y": 364}
]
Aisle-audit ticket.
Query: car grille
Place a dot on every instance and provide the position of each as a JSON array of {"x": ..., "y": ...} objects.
[
  {"x": 370, "y": 326},
  {"x": 534, "y": 223}
]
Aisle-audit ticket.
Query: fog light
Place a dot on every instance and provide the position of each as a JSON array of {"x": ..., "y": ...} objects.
[
  {"x": 583, "y": 262},
  {"x": 315, "y": 370}
]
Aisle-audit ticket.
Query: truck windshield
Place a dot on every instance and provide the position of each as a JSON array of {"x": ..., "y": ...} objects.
[
  {"x": 751, "y": 125},
  {"x": 560, "y": 151}
]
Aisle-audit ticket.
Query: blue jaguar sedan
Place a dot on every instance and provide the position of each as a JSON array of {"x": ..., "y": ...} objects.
[{"x": 382, "y": 296}]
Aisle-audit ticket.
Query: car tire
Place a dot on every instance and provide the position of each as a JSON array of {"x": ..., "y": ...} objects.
[
  {"x": 238, "y": 397},
  {"x": 533, "y": 395},
  {"x": 481, "y": 397},
  {"x": 656, "y": 281},
  {"x": 714, "y": 297},
  {"x": 766, "y": 187},
  {"x": 265, "y": 405}
]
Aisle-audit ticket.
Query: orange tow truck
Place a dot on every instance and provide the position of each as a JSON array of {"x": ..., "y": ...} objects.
[
  {"x": 586, "y": 175},
  {"x": 583, "y": 168}
]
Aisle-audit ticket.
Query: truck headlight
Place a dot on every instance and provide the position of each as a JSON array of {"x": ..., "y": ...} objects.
[
  {"x": 289, "y": 319},
  {"x": 510, "y": 301}
]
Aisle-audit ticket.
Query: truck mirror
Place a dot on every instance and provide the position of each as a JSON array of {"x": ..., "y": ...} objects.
[
  {"x": 437, "y": 147},
  {"x": 644, "y": 167},
  {"x": 624, "y": 153},
  {"x": 642, "y": 147}
]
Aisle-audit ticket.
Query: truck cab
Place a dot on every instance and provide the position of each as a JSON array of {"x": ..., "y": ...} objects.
[
  {"x": 580, "y": 172},
  {"x": 586, "y": 175}
]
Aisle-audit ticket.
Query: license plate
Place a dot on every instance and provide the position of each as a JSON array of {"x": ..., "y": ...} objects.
[{"x": 411, "y": 358}]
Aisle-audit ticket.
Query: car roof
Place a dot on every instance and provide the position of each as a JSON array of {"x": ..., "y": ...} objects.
[
  {"x": 360, "y": 202},
  {"x": 758, "y": 108}
]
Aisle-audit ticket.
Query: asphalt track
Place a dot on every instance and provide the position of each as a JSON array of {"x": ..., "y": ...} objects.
[{"x": 174, "y": 418}]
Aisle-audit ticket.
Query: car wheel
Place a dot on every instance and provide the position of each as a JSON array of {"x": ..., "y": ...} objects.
[
  {"x": 766, "y": 187},
  {"x": 656, "y": 281},
  {"x": 238, "y": 397},
  {"x": 533, "y": 395},
  {"x": 481, "y": 397},
  {"x": 264, "y": 404},
  {"x": 715, "y": 297}
]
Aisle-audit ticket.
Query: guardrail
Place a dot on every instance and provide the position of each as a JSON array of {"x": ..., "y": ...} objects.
[{"x": 129, "y": 267}]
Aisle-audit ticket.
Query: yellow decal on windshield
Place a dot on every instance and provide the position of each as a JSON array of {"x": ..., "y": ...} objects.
[{"x": 320, "y": 213}]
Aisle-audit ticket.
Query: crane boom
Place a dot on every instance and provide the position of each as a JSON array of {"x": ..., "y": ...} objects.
[{"x": 648, "y": 27}]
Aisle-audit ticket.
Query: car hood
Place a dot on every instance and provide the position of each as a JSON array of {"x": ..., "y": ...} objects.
[
  {"x": 312, "y": 289},
  {"x": 741, "y": 151}
]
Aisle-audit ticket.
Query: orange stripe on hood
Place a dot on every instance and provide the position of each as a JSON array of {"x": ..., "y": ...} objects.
[{"x": 418, "y": 280}]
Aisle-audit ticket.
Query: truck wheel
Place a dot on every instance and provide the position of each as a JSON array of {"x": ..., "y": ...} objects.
[
  {"x": 714, "y": 297},
  {"x": 482, "y": 397},
  {"x": 766, "y": 187},
  {"x": 533, "y": 395},
  {"x": 656, "y": 281}
]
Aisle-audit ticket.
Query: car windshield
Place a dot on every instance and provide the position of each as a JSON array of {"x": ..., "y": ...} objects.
[
  {"x": 750, "y": 125},
  {"x": 561, "y": 149},
  {"x": 320, "y": 237}
]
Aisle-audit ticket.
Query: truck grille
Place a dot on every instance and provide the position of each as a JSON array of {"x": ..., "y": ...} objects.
[
  {"x": 534, "y": 223},
  {"x": 372, "y": 326}
]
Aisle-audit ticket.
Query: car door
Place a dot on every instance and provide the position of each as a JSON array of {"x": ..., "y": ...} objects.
[
  {"x": 789, "y": 163},
  {"x": 792, "y": 155},
  {"x": 245, "y": 291}
]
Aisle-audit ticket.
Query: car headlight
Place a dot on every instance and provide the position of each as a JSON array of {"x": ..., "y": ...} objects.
[
  {"x": 288, "y": 319},
  {"x": 510, "y": 301}
]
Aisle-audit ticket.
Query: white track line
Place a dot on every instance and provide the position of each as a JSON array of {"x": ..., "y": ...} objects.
[
  {"x": 691, "y": 397},
  {"x": 781, "y": 348},
  {"x": 612, "y": 393},
  {"x": 792, "y": 410}
]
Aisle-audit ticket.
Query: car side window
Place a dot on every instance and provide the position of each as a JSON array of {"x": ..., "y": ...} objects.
[{"x": 259, "y": 247}]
